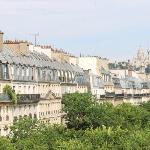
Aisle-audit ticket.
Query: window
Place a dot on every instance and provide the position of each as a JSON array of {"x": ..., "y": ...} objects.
[
  {"x": 15, "y": 119},
  {"x": 33, "y": 89},
  {"x": 7, "y": 109},
  {"x": 5, "y": 71},
  {"x": 30, "y": 115},
  {"x": 6, "y": 128},
  {"x": 29, "y": 89},
  {"x": 14, "y": 88},
  {"x": 7, "y": 118},
  {"x": 19, "y": 89},
  {"x": 24, "y": 89},
  {"x": 43, "y": 74},
  {"x": 27, "y": 71},
  {"x": 20, "y": 116},
  {"x": 32, "y": 74},
  {"x": 23, "y": 71},
  {"x": 35, "y": 116}
]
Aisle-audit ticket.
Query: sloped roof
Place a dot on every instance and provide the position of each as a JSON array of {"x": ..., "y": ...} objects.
[{"x": 36, "y": 59}]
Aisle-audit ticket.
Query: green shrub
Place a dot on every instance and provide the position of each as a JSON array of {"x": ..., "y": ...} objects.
[{"x": 11, "y": 93}]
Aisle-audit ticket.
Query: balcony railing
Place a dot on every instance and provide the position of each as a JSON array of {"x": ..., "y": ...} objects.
[
  {"x": 110, "y": 95},
  {"x": 119, "y": 96},
  {"x": 113, "y": 95},
  {"x": 28, "y": 98},
  {"x": 137, "y": 95}
]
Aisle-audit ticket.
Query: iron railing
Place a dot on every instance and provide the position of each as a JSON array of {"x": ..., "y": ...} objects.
[{"x": 28, "y": 98}]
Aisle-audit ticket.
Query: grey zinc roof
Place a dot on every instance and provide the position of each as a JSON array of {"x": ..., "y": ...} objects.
[
  {"x": 124, "y": 83},
  {"x": 2, "y": 59},
  {"x": 8, "y": 59},
  {"x": 136, "y": 82},
  {"x": 57, "y": 65},
  {"x": 36, "y": 59},
  {"x": 67, "y": 67},
  {"x": 77, "y": 69}
]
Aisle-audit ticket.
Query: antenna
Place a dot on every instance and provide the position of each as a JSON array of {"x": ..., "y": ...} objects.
[{"x": 35, "y": 38}]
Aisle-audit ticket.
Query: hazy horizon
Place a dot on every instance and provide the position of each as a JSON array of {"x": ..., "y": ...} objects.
[{"x": 108, "y": 28}]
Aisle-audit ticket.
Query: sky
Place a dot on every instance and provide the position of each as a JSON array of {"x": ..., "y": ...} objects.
[{"x": 114, "y": 29}]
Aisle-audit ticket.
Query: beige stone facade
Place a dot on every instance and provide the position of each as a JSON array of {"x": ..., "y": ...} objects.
[{"x": 95, "y": 64}]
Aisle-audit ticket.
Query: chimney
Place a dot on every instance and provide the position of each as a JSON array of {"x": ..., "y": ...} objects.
[
  {"x": 130, "y": 71},
  {"x": 1, "y": 40},
  {"x": 23, "y": 47}
]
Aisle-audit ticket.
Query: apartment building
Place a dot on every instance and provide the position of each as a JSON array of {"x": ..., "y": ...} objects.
[{"x": 38, "y": 80}]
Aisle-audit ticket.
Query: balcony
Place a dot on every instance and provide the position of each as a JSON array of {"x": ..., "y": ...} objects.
[
  {"x": 119, "y": 95},
  {"x": 137, "y": 95},
  {"x": 145, "y": 94},
  {"x": 128, "y": 95},
  {"x": 110, "y": 95},
  {"x": 28, "y": 98}
]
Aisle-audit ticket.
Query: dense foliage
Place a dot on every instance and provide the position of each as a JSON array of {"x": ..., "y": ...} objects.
[
  {"x": 11, "y": 93},
  {"x": 89, "y": 126}
]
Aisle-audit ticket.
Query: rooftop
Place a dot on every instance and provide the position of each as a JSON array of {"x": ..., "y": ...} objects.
[{"x": 35, "y": 59}]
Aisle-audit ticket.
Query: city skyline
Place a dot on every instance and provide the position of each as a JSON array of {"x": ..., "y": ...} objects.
[
  {"x": 111, "y": 29},
  {"x": 48, "y": 96}
]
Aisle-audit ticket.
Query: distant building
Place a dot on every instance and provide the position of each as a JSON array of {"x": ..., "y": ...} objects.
[
  {"x": 99, "y": 71},
  {"x": 94, "y": 63},
  {"x": 141, "y": 60},
  {"x": 95, "y": 84}
]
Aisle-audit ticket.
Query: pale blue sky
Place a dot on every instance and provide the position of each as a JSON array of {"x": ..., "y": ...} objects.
[{"x": 108, "y": 28}]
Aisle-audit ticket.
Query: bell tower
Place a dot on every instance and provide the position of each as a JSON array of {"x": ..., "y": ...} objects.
[{"x": 140, "y": 54}]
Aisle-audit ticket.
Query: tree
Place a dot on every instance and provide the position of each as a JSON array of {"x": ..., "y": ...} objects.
[
  {"x": 30, "y": 143},
  {"x": 23, "y": 128},
  {"x": 130, "y": 116},
  {"x": 5, "y": 144},
  {"x": 90, "y": 126},
  {"x": 117, "y": 138},
  {"x": 146, "y": 106},
  {"x": 102, "y": 114},
  {"x": 72, "y": 144},
  {"x": 83, "y": 111},
  {"x": 76, "y": 107}
]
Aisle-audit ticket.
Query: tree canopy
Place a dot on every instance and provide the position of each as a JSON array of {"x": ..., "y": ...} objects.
[{"x": 89, "y": 126}]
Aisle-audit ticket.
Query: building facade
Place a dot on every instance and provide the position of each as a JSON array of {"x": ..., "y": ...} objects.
[{"x": 38, "y": 80}]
